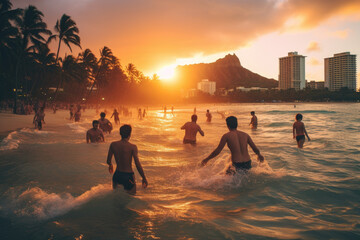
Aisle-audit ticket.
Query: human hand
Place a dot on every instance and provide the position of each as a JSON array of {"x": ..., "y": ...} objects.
[
  {"x": 204, "y": 162},
  {"x": 261, "y": 158},
  {"x": 111, "y": 169},
  {"x": 144, "y": 183}
]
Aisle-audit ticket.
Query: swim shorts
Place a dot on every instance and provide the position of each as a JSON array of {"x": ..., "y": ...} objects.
[
  {"x": 300, "y": 137},
  {"x": 189, "y": 141},
  {"x": 124, "y": 178},
  {"x": 242, "y": 165}
]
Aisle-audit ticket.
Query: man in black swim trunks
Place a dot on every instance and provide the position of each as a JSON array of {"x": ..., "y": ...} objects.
[
  {"x": 124, "y": 152},
  {"x": 237, "y": 141}
]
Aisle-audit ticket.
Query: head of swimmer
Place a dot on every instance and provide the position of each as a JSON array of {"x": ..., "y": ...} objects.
[
  {"x": 102, "y": 115},
  {"x": 95, "y": 124},
  {"x": 232, "y": 123},
  {"x": 194, "y": 118},
  {"x": 125, "y": 132}
]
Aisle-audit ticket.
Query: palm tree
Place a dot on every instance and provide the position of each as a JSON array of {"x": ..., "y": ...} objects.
[
  {"x": 132, "y": 72},
  {"x": 8, "y": 34},
  {"x": 32, "y": 28},
  {"x": 67, "y": 31},
  {"x": 106, "y": 62}
]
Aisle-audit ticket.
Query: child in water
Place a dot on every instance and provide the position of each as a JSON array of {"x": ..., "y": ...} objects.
[{"x": 299, "y": 131}]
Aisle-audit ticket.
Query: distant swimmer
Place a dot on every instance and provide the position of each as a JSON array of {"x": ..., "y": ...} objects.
[
  {"x": 77, "y": 115},
  {"x": 172, "y": 110},
  {"x": 208, "y": 116},
  {"x": 191, "y": 129},
  {"x": 237, "y": 142},
  {"x": 105, "y": 124},
  {"x": 144, "y": 113},
  {"x": 194, "y": 110},
  {"x": 94, "y": 134},
  {"x": 139, "y": 114},
  {"x": 124, "y": 152},
  {"x": 299, "y": 131},
  {"x": 39, "y": 118},
  {"x": 254, "y": 121},
  {"x": 116, "y": 116}
]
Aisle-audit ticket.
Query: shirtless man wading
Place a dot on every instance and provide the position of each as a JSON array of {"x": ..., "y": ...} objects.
[
  {"x": 191, "y": 129},
  {"x": 238, "y": 142},
  {"x": 124, "y": 152}
]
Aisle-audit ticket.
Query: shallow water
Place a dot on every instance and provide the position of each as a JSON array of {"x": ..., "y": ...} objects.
[{"x": 55, "y": 186}]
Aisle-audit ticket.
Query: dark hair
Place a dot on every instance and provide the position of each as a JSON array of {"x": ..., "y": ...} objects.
[
  {"x": 252, "y": 112},
  {"x": 207, "y": 110},
  {"x": 298, "y": 116},
  {"x": 95, "y": 122},
  {"x": 194, "y": 118},
  {"x": 102, "y": 114},
  {"x": 125, "y": 131},
  {"x": 232, "y": 122}
]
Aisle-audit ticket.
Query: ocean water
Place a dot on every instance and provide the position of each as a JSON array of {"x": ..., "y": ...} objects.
[{"x": 55, "y": 186}]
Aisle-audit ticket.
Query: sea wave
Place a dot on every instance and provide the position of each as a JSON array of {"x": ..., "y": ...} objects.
[
  {"x": 39, "y": 204},
  {"x": 10, "y": 142}
]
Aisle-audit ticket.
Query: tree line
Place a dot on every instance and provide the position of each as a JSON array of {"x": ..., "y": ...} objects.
[{"x": 30, "y": 70}]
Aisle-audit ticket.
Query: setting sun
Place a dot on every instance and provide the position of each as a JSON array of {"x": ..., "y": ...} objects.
[{"x": 167, "y": 73}]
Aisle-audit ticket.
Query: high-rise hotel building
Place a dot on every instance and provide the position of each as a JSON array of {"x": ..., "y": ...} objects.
[
  {"x": 292, "y": 71},
  {"x": 340, "y": 71}
]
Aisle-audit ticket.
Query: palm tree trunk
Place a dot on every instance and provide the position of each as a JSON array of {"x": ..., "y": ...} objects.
[{"x": 60, "y": 80}]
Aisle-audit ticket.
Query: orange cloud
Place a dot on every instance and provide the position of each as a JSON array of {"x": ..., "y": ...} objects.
[
  {"x": 151, "y": 33},
  {"x": 313, "y": 46},
  {"x": 314, "y": 62},
  {"x": 341, "y": 34}
]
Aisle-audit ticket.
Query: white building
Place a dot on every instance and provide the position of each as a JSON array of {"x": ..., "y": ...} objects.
[
  {"x": 340, "y": 71},
  {"x": 206, "y": 86},
  {"x": 292, "y": 71}
]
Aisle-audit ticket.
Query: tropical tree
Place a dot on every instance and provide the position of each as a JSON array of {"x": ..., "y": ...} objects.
[
  {"x": 67, "y": 32},
  {"x": 8, "y": 34},
  {"x": 32, "y": 30}
]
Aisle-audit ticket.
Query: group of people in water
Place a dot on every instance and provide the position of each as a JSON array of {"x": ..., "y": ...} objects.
[{"x": 124, "y": 151}]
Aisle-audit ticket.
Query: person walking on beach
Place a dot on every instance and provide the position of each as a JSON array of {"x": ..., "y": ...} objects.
[
  {"x": 124, "y": 152},
  {"x": 237, "y": 142},
  {"x": 191, "y": 129},
  {"x": 105, "y": 124},
  {"x": 39, "y": 118},
  {"x": 253, "y": 122},
  {"x": 208, "y": 116},
  {"x": 116, "y": 116},
  {"x": 94, "y": 134},
  {"x": 299, "y": 131}
]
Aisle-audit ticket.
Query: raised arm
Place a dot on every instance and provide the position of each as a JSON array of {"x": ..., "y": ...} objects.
[
  {"x": 216, "y": 151},
  {"x": 108, "y": 161},
  {"x": 87, "y": 137},
  {"x": 139, "y": 167},
  {"x": 201, "y": 131},
  {"x": 255, "y": 149}
]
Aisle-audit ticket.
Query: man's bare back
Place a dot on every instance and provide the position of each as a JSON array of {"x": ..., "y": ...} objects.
[
  {"x": 191, "y": 129},
  {"x": 124, "y": 152}
]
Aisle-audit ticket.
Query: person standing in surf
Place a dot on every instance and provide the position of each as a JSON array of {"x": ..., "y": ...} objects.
[
  {"x": 39, "y": 118},
  {"x": 105, "y": 124},
  {"x": 124, "y": 152},
  {"x": 299, "y": 131},
  {"x": 253, "y": 122},
  {"x": 237, "y": 142},
  {"x": 94, "y": 134},
  {"x": 191, "y": 129}
]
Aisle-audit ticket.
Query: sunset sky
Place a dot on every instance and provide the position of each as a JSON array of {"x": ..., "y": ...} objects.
[{"x": 155, "y": 33}]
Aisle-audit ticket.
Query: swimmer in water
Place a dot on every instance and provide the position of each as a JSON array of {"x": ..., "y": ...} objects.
[
  {"x": 94, "y": 134},
  {"x": 237, "y": 142},
  {"x": 208, "y": 116},
  {"x": 299, "y": 131},
  {"x": 116, "y": 116},
  {"x": 191, "y": 129},
  {"x": 254, "y": 121},
  {"x": 105, "y": 124},
  {"x": 124, "y": 152}
]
